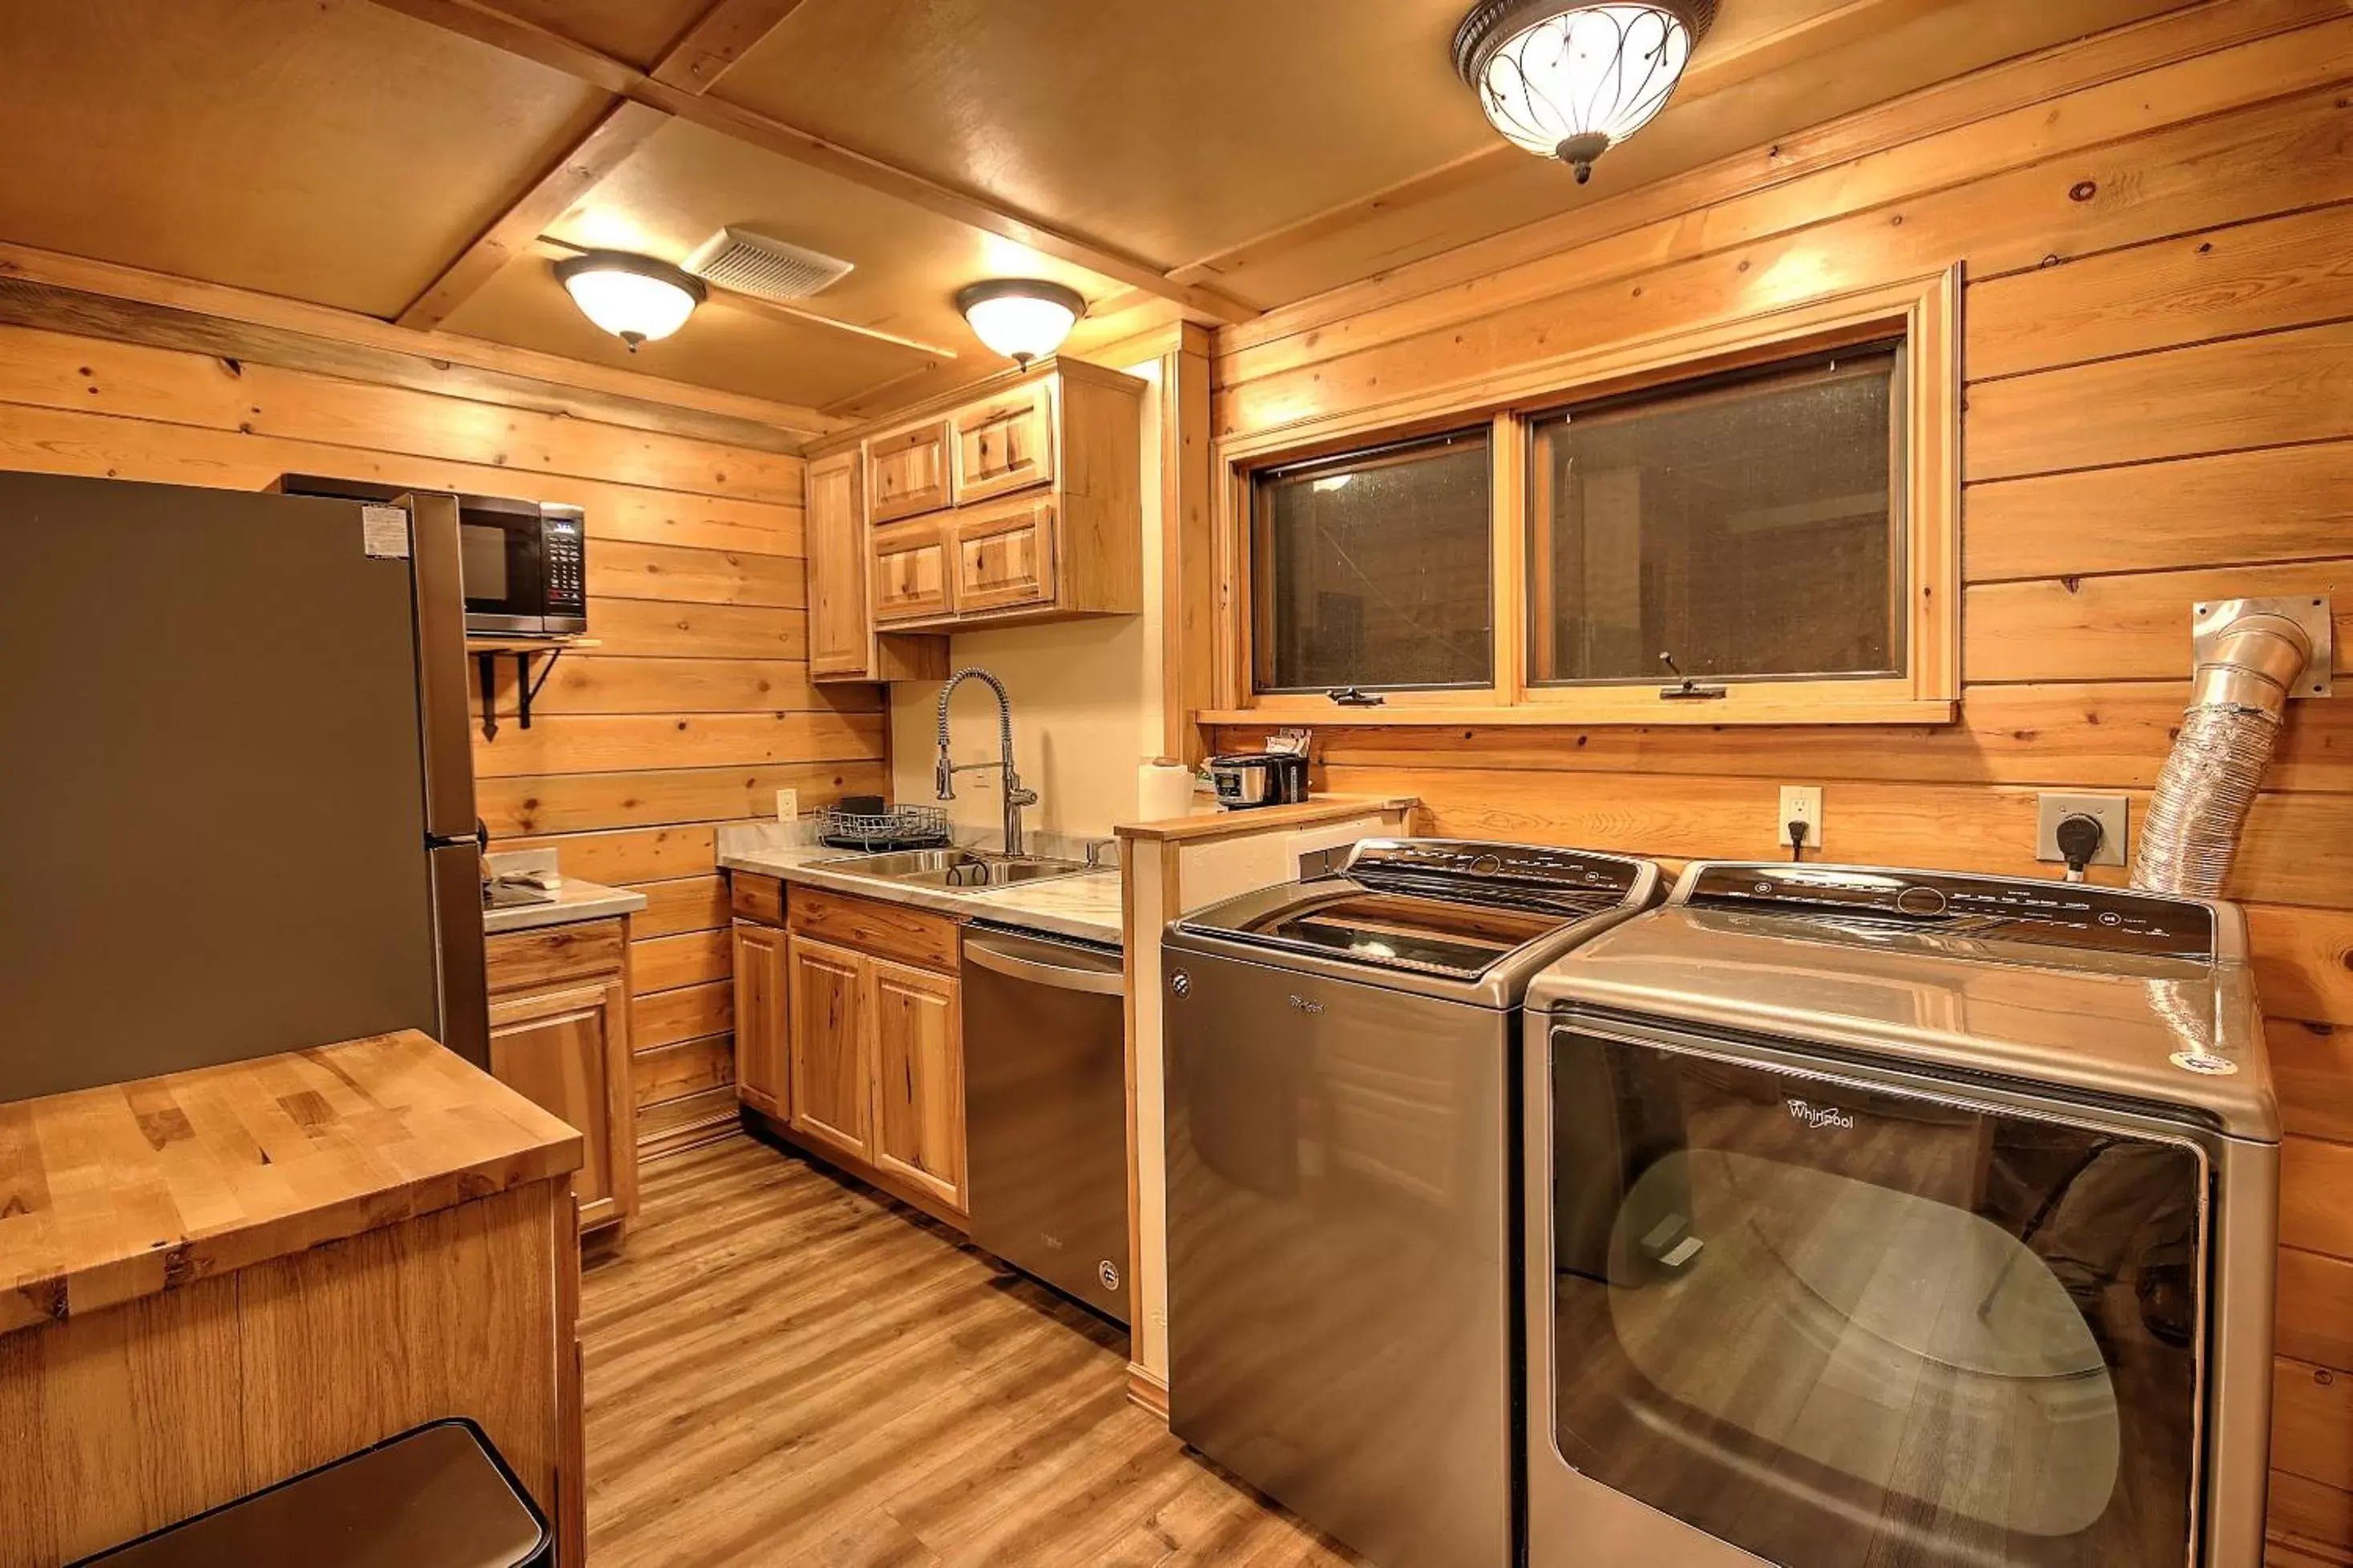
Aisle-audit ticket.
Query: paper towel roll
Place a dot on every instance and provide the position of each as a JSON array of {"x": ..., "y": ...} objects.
[{"x": 1162, "y": 790}]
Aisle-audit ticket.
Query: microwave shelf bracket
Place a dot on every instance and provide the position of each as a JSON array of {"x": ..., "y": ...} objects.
[{"x": 485, "y": 652}]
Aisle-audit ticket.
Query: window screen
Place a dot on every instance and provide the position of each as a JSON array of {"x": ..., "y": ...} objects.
[
  {"x": 1748, "y": 526},
  {"x": 1373, "y": 569}
]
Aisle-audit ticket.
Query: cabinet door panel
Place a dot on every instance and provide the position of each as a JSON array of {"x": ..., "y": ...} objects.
[
  {"x": 832, "y": 1074},
  {"x": 762, "y": 1020},
  {"x": 841, "y": 638},
  {"x": 1005, "y": 444},
  {"x": 567, "y": 1052},
  {"x": 1005, "y": 557},
  {"x": 907, "y": 471},
  {"x": 911, "y": 572},
  {"x": 918, "y": 1029}
]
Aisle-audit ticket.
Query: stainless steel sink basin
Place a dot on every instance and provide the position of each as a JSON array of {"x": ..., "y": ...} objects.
[{"x": 954, "y": 870}]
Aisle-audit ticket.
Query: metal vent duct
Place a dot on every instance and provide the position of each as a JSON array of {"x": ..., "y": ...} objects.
[{"x": 2252, "y": 655}]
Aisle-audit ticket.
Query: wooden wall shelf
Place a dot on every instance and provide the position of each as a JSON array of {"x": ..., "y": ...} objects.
[{"x": 485, "y": 653}]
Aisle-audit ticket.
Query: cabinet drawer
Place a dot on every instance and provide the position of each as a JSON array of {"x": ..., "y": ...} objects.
[
  {"x": 907, "y": 471},
  {"x": 517, "y": 958},
  {"x": 1005, "y": 444},
  {"x": 753, "y": 897},
  {"x": 874, "y": 928},
  {"x": 1004, "y": 556},
  {"x": 911, "y": 572}
]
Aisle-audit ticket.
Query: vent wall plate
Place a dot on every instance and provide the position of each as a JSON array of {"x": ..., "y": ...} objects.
[
  {"x": 2210, "y": 617},
  {"x": 748, "y": 263}
]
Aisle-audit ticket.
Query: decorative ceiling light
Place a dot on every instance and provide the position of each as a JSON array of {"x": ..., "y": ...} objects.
[
  {"x": 1571, "y": 81},
  {"x": 1021, "y": 318},
  {"x": 635, "y": 298}
]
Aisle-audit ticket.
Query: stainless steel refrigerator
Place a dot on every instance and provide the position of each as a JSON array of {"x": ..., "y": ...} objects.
[{"x": 237, "y": 795}]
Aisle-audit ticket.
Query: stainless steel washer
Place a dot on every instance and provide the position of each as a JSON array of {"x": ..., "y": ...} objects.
[
  {"x": 1342, "y": 1149},
  {"x": 1900, "y": 1217}
]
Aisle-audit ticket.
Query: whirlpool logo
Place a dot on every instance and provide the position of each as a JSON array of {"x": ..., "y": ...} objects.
[{"x": 1818, "y": 1117}]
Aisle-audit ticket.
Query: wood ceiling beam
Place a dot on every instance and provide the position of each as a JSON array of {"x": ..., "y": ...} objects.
[
  {"x": 718, "y": 37},
  {"x": 532, "y": 42},
  {"x": 621, "y": 131},
  {"x": 74, "y": 294}
]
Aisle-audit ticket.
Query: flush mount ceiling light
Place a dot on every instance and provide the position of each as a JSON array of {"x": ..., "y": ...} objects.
[
  {"x": 1021, "y": 318},
  {"x": 635, "y": 298},
  {"x": 1571, "y": 81}
]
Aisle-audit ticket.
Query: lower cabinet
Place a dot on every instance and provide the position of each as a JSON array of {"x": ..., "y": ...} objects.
[
  {"x": 762, "y": 1026},
  {"x": 560, "y": 1035},
  {"x": 850, "y": 1033}
]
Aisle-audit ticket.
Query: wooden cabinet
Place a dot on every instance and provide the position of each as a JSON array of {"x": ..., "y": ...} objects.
[
  {"x": 843, "y": 643},
  {"x": 849, "y": 1033},
  {"x": 907, "y": 471},
  {"x": 916, "y": 1021},
  {"x": 762, "y": 1020},
  {"x": 1004, "y": 443},
  {"x": 1020, "y": 502},
  {"x": 832, "y": 1055},
  {"x": 560, "y": 1035},
  {"x": 911, "y": 572},
  {"x": 1003, "y": 556}
]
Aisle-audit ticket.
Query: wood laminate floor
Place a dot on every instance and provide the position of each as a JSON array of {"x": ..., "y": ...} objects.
[{"x": 785, "y": 1367}]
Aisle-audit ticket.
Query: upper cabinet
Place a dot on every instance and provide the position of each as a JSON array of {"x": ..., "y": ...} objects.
[
  {"x": 907, "y": 469},
  {"x": 1021, "y": 500},
  {"x": 842, "y": 643}
]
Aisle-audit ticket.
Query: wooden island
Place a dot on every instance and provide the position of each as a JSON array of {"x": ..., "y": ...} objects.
[{"x": 216, "y": 1279}]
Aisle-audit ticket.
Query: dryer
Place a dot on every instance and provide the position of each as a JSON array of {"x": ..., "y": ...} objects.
[{"x": 1899, "y": 1217}]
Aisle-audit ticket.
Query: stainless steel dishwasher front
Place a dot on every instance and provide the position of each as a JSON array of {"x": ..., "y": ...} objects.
[{"x": 1045, "y": 1031}]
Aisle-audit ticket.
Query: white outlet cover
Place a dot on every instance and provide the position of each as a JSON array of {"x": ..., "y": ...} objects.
[
  {"x": 1799, "y": 803},
  {"x": 788, "y": 805},
  {"x": 2112, "y": 812}
]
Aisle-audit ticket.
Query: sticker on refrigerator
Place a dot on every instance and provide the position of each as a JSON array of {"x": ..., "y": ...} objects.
[{"x": 384, "y": 532}]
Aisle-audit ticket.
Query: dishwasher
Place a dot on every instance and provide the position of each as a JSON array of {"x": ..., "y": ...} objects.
[{"x": 1045, "y": 1030}]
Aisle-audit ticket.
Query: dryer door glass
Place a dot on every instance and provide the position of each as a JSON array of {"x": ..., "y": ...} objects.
[{"x": 1843, "y": 1326}]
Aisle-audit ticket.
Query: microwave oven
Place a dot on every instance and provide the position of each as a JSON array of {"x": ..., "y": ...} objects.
[{"x": 524, "y": 562}]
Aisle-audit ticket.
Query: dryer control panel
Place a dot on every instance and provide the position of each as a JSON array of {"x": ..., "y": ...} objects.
[{"x": 2000, "y": 908}]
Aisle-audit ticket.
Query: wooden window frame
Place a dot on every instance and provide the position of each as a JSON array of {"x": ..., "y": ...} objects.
[{"x": 1923, "y": 312}]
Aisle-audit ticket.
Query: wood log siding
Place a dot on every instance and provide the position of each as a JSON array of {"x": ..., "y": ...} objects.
[
  {"x": 2159, "y": 408},
  {"x": 697, "y": 708}
]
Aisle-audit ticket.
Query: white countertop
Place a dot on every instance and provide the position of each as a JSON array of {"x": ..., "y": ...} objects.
[
  {"x": 579, "y": 901},
  {"x": 1085, "y": 906}
]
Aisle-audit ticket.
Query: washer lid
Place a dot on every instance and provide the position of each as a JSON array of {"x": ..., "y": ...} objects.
[{"x": 2178, "y": 1034}]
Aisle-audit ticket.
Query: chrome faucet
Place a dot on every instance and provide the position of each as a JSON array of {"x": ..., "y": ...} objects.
[{"x": 944, "y": 772}]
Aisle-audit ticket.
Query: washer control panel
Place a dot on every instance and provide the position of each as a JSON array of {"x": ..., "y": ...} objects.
[
  {"x": 2006, "y": 908},
  {"x": 1471, "y": 869}
]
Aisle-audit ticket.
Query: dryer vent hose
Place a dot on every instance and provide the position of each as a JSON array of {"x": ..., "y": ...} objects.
[{"x": 2237, "y": 701}]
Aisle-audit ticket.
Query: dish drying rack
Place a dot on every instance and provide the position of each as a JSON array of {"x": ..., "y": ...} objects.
[{"x": 896, "y": 827}]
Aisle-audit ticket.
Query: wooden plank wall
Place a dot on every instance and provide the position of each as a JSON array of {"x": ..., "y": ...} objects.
[
  {"x": 2154, "y": 227},
  {"x": 696, "y": 708}
]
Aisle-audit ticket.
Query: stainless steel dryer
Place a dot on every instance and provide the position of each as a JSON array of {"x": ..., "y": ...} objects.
[
  {"x": 1900, "y": 1217},
  {"x": 1342, "y": 1157}
]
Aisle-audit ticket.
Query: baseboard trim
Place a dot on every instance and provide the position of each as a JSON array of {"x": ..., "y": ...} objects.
[{"x": 1146, "y": 1387}]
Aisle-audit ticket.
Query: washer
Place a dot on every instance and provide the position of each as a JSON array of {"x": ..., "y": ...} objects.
[
  {"x": 1343, "y": 1152},
  {"x": 1899, "y": 1217}
]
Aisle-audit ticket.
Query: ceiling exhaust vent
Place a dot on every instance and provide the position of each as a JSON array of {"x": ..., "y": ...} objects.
[{"x": 754, "y": 264}]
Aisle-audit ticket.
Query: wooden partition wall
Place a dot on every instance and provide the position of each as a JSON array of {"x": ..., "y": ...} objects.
[
  {"x": 2158, "y": 410},
  {"x": 696, "y": 708}
]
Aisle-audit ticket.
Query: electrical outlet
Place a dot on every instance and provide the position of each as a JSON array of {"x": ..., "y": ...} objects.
[
  {"x": 788, "y": 805},
  {"x": 1799, "y": 803},
  {"x": 2110, "y": 810}
]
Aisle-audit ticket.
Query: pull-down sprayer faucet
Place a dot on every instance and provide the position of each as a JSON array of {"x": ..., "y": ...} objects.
[{"x": 944, "y": 772}]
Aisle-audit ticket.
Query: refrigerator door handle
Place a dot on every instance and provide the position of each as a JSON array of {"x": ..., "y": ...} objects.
[
  {"x": 458, "y": 931},
  {"x": 440, "y": 620}
]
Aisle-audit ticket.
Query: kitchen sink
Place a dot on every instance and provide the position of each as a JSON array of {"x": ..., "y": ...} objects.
[{"x": 954, "y": 870}]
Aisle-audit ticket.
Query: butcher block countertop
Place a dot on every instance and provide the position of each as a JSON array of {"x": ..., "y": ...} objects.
[{"x": 110, "y": 1194}]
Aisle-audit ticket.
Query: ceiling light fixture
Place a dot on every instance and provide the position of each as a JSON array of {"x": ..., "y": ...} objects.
[
  {"x": 1021, "y": 318},
  {"x": 635, "y": 298},
  {"x": 1571, "y": 81}
]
